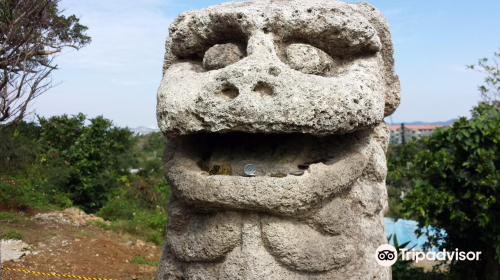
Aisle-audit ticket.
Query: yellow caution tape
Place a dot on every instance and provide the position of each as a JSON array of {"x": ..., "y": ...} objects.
[{"x": 54, "y": 274}]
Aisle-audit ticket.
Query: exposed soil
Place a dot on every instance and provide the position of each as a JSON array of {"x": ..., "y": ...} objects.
[
  {"x": 12, "y": 207},
  {"x": 82, "y": 250}
]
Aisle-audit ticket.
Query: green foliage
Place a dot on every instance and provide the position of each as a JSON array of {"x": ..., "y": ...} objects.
[
  {"x": 490, "y": 91},
  {"x": 154, "y": 142},
  {"x": 400, "y": 174},
  {"x": 62, "y": 200},
  {"x": 141, "y": 260},
  {"x": 92, "y": 153},
  {"x": 149, "y": 148},
  {"x": 457, "y": 180},
  {"x": 23, "y": 192},
  {"x": 69, "y": 160},
  {"x": 139, "y": 209},
  {"x": 395, "y": 203},
  {"x": 403, "y": 269},
  {"x": 138, "y": 226},
  {"x": 11, "y": 234},
  {"x": 32, "y": 31},
  {"x": 45, "y": 23},
  {"x": 19, "y": 146}
]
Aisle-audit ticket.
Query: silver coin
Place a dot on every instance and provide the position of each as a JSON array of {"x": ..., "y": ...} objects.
[
  {"x": 249, "y": 169},
  {"x": 251, "y": 175},
  {"x": 297, "y": 173},
  {"x": 329, "y": 158}
]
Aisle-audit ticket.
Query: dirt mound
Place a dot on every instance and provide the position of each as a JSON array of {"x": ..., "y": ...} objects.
[
  {"x": 88, "y": 250},
  {"x": 14, "y": 208},
  {"x": 70, "y": 216}
]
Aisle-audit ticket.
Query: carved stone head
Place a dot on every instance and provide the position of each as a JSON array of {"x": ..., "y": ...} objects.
[{"x": 276, "y": 84}]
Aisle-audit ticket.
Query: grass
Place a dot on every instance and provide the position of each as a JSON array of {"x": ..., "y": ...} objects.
[
  {"x": 141, "y": 260},
  {"x": 46, "y": 233},
  {"x": 10, "y": 217},
  {"x": 11, "y": 234},
  {"x": 83, "y": 233},
  {"x": 134, "y": 227}
]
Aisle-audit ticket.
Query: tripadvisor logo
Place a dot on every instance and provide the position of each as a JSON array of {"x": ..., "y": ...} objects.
[{"x": 386, "y": 255}]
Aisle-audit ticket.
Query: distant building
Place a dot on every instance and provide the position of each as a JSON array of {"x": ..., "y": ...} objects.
[
  {"x": 417, "y": 131},
  {"x": 142, "y": 130}
]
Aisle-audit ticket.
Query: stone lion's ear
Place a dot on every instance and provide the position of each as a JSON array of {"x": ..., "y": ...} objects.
[{"x": 392, "y": 85}]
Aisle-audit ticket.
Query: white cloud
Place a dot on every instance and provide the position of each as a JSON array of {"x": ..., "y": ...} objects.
[
  {"x": 118, "y": 73},
  {"x": 127, "y": 36}
]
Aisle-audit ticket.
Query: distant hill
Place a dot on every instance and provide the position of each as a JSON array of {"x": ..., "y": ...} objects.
[
  {"x": 142, "y": 130},
  {"x": 388, "y": 121}
]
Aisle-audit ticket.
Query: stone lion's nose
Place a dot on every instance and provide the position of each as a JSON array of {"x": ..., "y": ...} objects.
[{"x": 250, "y": 78}]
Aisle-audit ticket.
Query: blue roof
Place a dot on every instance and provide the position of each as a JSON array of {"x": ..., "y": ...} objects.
[{"x": 405, "y": 231}]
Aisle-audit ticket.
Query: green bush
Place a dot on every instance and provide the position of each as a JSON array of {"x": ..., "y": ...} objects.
[
  {"x": 457, "y": 188},
  {"x": 118, "y": 208},
  {"x": 139, "y": 209},
  {"x": 62, "y": 200},
  {"x": 71, "y": 161},
  {"x": 19, "y": 147},
  {"x": 92, "y": 153},
  {"x": 156, "y": 221},
  {"x": 23, "y": 192}
]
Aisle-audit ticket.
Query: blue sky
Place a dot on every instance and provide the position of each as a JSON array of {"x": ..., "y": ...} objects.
[{"x": 118, "y": 74}]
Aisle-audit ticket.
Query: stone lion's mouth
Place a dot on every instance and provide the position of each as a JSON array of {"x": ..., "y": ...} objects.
[{"x": 329, "y": 163}]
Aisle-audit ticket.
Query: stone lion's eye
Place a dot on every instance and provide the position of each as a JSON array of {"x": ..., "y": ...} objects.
[
  {"x": 222, "y": 55},
  {"x": 308, "y": 59}
]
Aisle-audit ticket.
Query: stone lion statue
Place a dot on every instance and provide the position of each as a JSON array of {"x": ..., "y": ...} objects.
[{"x": 299, "y": 91}]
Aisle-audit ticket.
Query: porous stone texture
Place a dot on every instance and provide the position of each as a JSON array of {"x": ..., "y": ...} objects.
[
  {"x": 220, "y": 56},
  {"x": 308, "y": 59},
  {"x": 277, "y": 84}
]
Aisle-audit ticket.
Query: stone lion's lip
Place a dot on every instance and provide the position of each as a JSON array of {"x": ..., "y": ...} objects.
[{"x": 284, "y": 196}]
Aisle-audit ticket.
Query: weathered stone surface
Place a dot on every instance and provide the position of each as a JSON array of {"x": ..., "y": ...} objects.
[
  {"x": 309, "y": 60},
  {"x": 361, "y": 86},
  {"x": 300, "y": 247},
  {"x": 220, "y": 56},
  {"x": 202, "y": 237},
  {"x": 277, "y": 84},
  {"x": 336, "y": 217}
]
